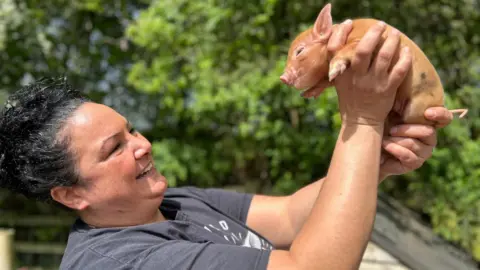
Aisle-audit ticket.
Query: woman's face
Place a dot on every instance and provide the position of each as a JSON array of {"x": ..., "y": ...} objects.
[{"x": 115, "y": 165}]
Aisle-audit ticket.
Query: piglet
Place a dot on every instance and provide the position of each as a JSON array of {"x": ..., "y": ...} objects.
[{"x": 310, "y": 64}]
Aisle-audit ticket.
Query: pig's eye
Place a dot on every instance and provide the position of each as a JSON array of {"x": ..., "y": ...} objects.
[{"x": 299, "y": 51}]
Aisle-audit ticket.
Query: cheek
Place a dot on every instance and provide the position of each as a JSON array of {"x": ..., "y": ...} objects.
[
  {"x": 123, "y": 167},
  {"x": 319, "y": 62},
  {"x": 116, "y": 173},
  {"x": 313, "y": 69},
  {"x": 319, "y": 70},
  {"x": 316, "y": 59},
  {"x": 115, "y": 182}
]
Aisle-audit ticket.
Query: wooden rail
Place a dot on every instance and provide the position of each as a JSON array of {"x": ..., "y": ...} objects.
[
  {"x": 27, "y": 252},
  {"x": 11, "y": 220},
  {"x": 6, "y": 249},
  {"x": 39, "y": 248}
]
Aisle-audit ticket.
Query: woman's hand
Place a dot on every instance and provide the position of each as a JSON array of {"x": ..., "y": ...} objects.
[
  {"x": 339, "y": 35},
  {"x": 366, "y": 91},
  {"x": 336, "y": 41},
  {"x": 411, "y": 145}
]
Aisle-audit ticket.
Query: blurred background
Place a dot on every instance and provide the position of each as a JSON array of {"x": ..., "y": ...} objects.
[{"x": 200, "y": 79}]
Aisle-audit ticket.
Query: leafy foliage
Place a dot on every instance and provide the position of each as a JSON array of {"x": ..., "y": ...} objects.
[{"x": 201, "y": 80}]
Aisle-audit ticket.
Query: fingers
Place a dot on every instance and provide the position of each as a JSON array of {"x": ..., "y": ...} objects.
[
  {"x": 424, "y": 133},
  {"x": 366, "y": 46},
  {"x": 339, "y": 36},
  {"x": 393, "y": 167},
  {"x": 408, "y": 159},
  {"x": 418, "y": 148},
  {"x": 411, "y": 146},
  {"x": 384, "y": 58},
  {"x": 400, "y": 69},
  {"x": 441, "y": 115}
]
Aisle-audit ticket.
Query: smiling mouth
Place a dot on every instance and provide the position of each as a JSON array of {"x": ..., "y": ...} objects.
[{"x": 146, "y": 170}]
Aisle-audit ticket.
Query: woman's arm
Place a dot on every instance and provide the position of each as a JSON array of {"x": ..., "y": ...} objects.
[
  {"x": 338, "y": 228},
  {"x": 339, "y": 225},
  {"x": 280, "y": 218},
  {"x": 335, "y": 233}
]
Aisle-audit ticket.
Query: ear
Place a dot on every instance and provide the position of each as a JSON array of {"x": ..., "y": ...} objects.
[
  {"x": 322, "y": 29},
  {"x": 70, "y": 197}
]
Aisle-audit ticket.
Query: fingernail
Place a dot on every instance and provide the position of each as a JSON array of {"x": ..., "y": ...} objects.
[
  {"x": 393, "y": 130},
  {"x": 395, "y": 32},
  {"x": 348, "y": 21},
  {"x": 381, "y": 23}
]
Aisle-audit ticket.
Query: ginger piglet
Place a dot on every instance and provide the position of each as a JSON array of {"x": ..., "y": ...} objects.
[{"x": 310, "y": 64}]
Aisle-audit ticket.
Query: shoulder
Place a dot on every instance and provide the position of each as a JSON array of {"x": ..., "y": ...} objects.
[
  {"x": 117, "y": 248},
  {"x": 209, "y": 194},
  {"x": 234, "y": 203},
  {"x": 188, "y": 195},
  {"x": 187, "y": 191},
  {"x": 91, "y": 259}
]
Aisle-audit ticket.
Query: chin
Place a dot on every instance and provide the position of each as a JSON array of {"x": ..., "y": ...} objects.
[
  {"x": 305, "y": 82},
  {"x": 304, "y": 86},
  {"x": 154, "y": 186},
  {"x": 160, "y": 184}
]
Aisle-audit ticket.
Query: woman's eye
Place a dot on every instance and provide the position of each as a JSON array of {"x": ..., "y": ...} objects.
[
  {"x": 131, "y": 130},
  {"x": 115, "y": 148}
]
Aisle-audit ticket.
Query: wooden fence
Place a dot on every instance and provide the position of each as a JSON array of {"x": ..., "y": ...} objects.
[
  {"x": 6, "y": 249},
  {"x": 29, "y": 253}
]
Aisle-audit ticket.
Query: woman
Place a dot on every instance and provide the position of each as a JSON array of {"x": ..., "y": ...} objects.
[{"x": 57, "y": 145}]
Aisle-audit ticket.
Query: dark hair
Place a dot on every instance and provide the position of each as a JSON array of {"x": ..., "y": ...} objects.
[{"x": 33, "y": 156}]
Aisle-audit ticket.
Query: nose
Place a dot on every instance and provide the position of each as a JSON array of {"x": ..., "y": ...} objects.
[
  {"x": 142, "y": 147},
  {"x": 285, "y": 78}
]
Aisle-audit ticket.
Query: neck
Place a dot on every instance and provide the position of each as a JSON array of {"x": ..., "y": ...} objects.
[{"x": 119, "y": 219}]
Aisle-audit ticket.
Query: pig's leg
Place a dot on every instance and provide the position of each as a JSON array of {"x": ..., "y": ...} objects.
[{"x": 341, "y": 61}]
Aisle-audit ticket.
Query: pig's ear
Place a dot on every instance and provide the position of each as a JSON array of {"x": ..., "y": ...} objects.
[{"x": 322, "y": 29}]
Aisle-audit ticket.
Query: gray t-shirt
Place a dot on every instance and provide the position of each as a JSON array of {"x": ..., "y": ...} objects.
[{"x": 205, "y": 230}]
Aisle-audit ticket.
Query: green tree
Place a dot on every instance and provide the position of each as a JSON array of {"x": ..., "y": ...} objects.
[
  {"x": 225, "y": 118},
  {"x": 201, "y": 80}
]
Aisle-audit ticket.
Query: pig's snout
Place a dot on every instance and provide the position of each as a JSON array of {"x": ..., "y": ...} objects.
[{"x": 286, "y": 78}]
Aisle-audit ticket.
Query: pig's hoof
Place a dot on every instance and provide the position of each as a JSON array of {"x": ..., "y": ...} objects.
[{"x": 336, "y": 68}]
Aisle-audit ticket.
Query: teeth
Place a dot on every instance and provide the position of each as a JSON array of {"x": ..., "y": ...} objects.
[
  {"x": 146, "y": 170},
  {"x": 149, "y": 167}
]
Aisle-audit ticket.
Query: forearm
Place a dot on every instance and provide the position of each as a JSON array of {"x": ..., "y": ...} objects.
[
  {"x": 299, "y": 206},
  {"x": 342, "y": 216},
  {"x": 301, "y": 202}
]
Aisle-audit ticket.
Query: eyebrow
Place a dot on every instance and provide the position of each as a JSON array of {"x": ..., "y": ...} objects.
[{"x": 104, "y": 141}]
